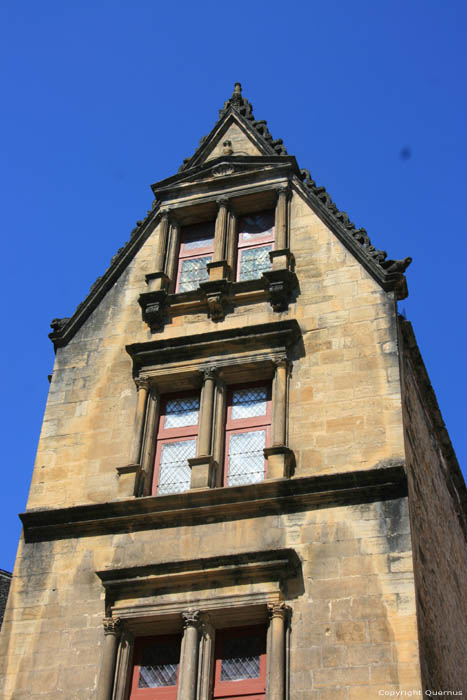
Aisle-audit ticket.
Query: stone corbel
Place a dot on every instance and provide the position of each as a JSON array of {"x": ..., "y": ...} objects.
[
  {"x": 279, "y": 284},
  {"x": 154, "y": 307},
  {"x": 216, "y": 294}
]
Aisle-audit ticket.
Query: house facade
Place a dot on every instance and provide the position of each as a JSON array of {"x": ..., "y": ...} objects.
[{"x": 243, "y": 486}]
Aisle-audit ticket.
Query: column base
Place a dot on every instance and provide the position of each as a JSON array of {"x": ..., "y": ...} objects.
[
  {"x": 157, "y": 281},
  {"x": 282, "y": 259},
  {"x": 281, "y": 461},
  {"x": 129, "y": 477},
  {"x": 219, "y": 270},
  {"x": 203, "y": 472}
]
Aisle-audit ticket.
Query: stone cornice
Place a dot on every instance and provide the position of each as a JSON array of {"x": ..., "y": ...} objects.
[
  {"x": 218, "y": 504},
  {"x": 158, "y": 352}
]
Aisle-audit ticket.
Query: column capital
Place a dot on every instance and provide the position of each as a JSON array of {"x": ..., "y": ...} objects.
[
  {"x": 284, "y": 190},
  {"x": 278, "y": 610},
  {"x": 112, "y": 625},
  {"x": 142, "y": 383},
  {"x": 223, "y": 202},
  {"x": 210, "y": 372},
  {"x": 191, "y": 618},
  {"x": 282, "y": 362}
]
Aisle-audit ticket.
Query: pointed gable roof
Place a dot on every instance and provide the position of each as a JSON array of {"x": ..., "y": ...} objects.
[{"x": 238, "y": 112}]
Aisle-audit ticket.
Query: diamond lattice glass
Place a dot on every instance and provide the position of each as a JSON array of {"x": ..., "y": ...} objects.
[
  {"x": 247, "y": 403},
  {"x": 174, "y": 471},
  {"x": 246, "y": 457},
  {"x": 254, "y": 262},
  {"x": 159, "y": 666},
  {"x": 240, "y": 658},
  {"x": 192, "y": 272},
  {"x": 181, "y": 412}
]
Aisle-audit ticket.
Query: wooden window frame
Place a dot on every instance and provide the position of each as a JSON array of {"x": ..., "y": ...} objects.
[
  {"x": 268, "y": 238},
  {"x": 166, "y": 436},
  {"x": 244, "y": 425},
  {"x": 161, "y": 692},
  {"x": 251, "y": 688},
  {"x": 202, "y": 252}
]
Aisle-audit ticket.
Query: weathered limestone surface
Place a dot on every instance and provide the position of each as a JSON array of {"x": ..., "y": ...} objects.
[
  {"x": 353, "y": 628},
  {"x": 240, "y": 144},
  {"x": 353, "y": 609},
  {"x": 439, "y": 528},
  {"x": 345, "y": 406}
]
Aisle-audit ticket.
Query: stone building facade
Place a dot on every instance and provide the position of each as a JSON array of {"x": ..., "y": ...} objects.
[{"x": 243, "y": 486}]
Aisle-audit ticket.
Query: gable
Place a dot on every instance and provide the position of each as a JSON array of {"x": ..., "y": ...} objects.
[{"x": 240, "y": 144}]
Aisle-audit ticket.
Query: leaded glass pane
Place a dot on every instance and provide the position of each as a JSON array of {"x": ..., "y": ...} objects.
[
  {"x": 254, "y": 262},
  {"x": 174, "y": 471},
  {"x": 247, "y": 403},
  {"x": 159, "y": 666},
  {"x": 246, "y": 457},
  {"x": 198, "y": 236},
  {"x": 240, "y": 658},
  {"x": 256, "y": 226},
  {"x": 192, "y": 272},
  {"x": 181, "y": 412}
]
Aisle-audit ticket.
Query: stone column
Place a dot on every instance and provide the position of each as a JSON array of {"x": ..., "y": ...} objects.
[
  {"x": 189, "y": 663},
  {"x": 218, "y": 437},
  {"x": 279, "y": 428},
  {"x": 128, "y": 475},
  {"x": 142, "y": 385},
  {"x": 202, "y": 465},
  {"x": 218, "y": 269},
  {"x": 276, "y": 652},
  {"x": 232, "y": 244},
  {"x": 158, "y": 279},
  {"x": 172, "y": 252},
  {"x": 278, "y": 455},
  {"x": 112, "y": 631},
  {"x": 281, "y": 218}
]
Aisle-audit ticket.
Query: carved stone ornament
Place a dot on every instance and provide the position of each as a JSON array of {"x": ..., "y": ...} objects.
[
  {"x": 227, "y": 149},
  {"x": 112, "y": 625},
  {"x": 223, "y": 169},
  {"x": 279, "y": 284},
  {"x": 278, "y": 610},
  {"x": 209, "y": 372},
  {"x": 142, "y": 383},
  {"x": 216, "y": 295},
  {"x": 191, "y": 618},
  {"x": 154, "y": 308}
]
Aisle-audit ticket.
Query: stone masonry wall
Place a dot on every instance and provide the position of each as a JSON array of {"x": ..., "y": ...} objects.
[
  {"x": 438, "y": 500},
  {"x": 353, "y": 625},
  {"x": 345, "y": 405}
]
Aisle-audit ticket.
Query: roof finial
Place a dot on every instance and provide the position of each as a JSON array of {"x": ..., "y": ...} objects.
[
  {"x": 239, "y": 103},
  {"x": 237, "y": 99}
]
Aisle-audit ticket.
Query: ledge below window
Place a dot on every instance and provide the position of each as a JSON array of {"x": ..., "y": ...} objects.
[
  {"x": 213, "y": 505},
  {"x": 219, "y": 297}
]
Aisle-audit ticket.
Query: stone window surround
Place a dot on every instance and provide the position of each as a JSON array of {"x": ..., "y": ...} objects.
[
  {"x": 213, "y": 379},
  {"x": 209, "y": 362},
  {"x": 221, "y": 290},
  {"x": 197, "y": 619}
]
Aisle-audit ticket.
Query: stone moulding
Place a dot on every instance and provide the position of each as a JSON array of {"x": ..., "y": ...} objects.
[
  {"x": 214, "y": 505},
  {"x": 281, "y": 334},
  {"x": 277, "y": 565}
]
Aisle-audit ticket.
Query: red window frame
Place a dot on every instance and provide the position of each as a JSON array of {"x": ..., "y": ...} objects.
[
  {"x": 248, "y": 244},
  {"x": 251, "y": 688},
  {"x": 188, "y": 235},
  {"x": 164, "y": 692},
  {"x": 167, "y": 435},
  {"x": 244, "y": 425}
]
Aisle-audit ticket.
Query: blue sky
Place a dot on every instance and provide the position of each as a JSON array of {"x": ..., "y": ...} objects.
[{"x": 100, "y": 99}]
